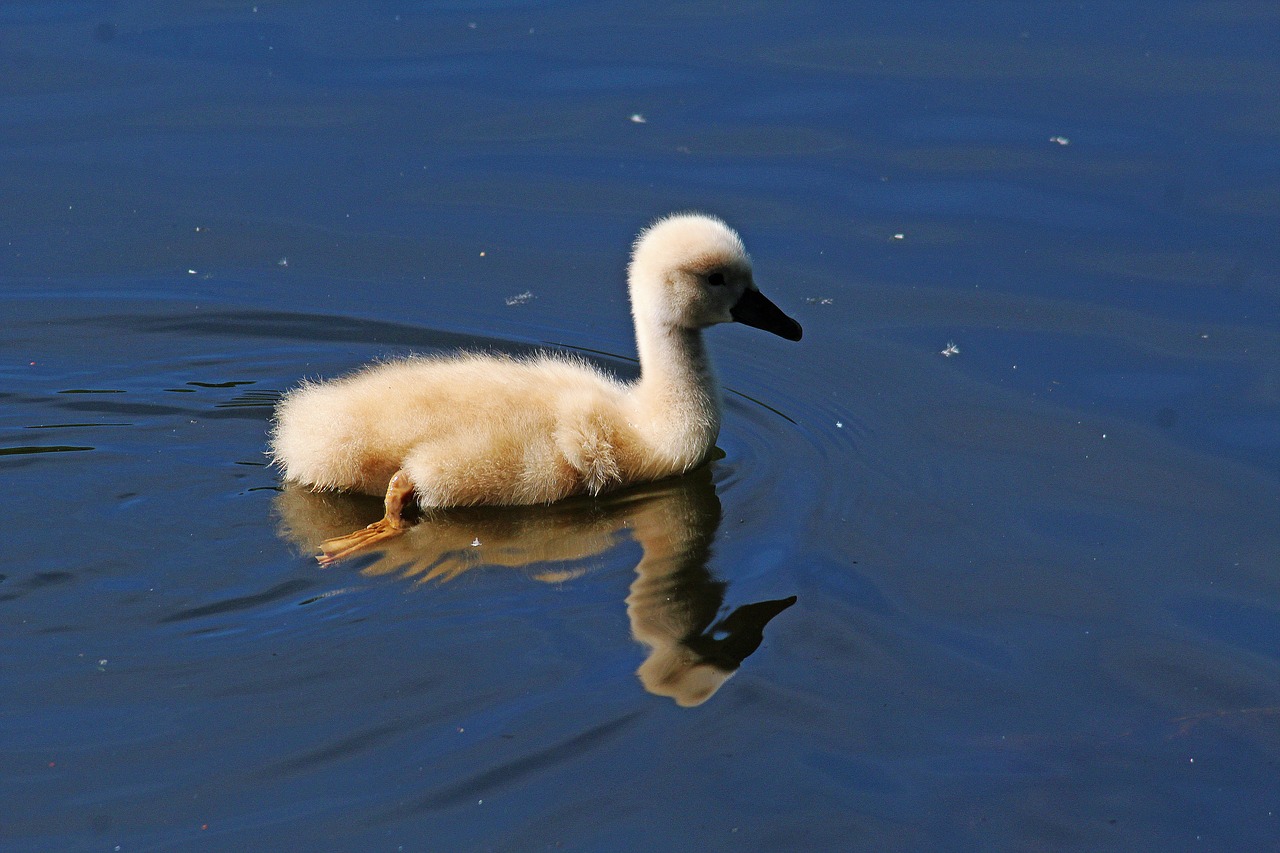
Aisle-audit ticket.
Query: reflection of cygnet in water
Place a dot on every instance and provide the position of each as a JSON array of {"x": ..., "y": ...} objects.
[
  {"x": 673, "y": 601},
  {"x": 675, "y": 598}
]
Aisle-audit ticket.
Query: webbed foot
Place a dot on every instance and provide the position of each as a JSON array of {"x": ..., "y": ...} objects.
[
  {"x": 341, "y": 547},
  {"x": 391, "y": 525}
]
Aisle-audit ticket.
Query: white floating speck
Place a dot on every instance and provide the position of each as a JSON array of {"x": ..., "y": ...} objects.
[
  {"x": 950, "y": 350},
  {"x": 899, "y": 236},
  {"x": 520, "y": 298},
  {"x": 283, "y": 262},
  {"x": 817, "y": 300},
  {"x": 1061, "y": 140},
  {"x": 638, "y": 119},
  {"x": 475, "y": 543},
  {"x": 191, "y": 272},
  {"x": 839, "y": 424}
]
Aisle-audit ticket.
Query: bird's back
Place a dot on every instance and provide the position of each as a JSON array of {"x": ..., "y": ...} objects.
[{"x": 355, "y": 432}]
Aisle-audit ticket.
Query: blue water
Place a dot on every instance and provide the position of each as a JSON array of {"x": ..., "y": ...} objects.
[{"x": 1036, "y": 596}]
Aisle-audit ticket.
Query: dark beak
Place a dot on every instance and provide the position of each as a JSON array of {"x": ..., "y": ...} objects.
[{"x": 755, "y": 309}]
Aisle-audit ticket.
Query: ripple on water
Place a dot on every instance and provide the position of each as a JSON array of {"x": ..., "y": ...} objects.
[{"x": 781, "y": 443}]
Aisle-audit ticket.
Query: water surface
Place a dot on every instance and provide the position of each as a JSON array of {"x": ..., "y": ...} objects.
[{"x": 1034, "y": 581}]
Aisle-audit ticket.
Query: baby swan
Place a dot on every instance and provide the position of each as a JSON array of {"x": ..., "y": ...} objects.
[{"x": 490, "y": 429}]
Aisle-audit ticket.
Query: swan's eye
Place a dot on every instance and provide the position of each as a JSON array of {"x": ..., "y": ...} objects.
[{"x": 716, "y": 279}]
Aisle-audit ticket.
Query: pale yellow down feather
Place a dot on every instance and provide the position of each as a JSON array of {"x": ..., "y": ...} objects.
[{"x": 470, "y": 429}]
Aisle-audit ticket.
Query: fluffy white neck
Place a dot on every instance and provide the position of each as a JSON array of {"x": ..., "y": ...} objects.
[{"x": 677, "y": 399}]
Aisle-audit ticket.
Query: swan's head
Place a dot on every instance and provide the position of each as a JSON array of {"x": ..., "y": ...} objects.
[{"x": 691, "y": 271}]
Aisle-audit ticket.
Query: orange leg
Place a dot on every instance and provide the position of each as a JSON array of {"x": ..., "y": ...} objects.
[{"x": 392, "y": 524}]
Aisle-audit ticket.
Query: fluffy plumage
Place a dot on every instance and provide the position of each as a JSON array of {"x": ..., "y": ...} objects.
[{"x": 486, "y": 429}]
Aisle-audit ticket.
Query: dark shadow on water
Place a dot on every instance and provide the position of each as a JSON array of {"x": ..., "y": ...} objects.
[
  {"x": 244, "y": 602},
  {"x": 287, "y": 325},
  {"x": 673, "y": 603},
  {"x": 513, "y": 772},
  {"x": 26, "y": 450}
]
